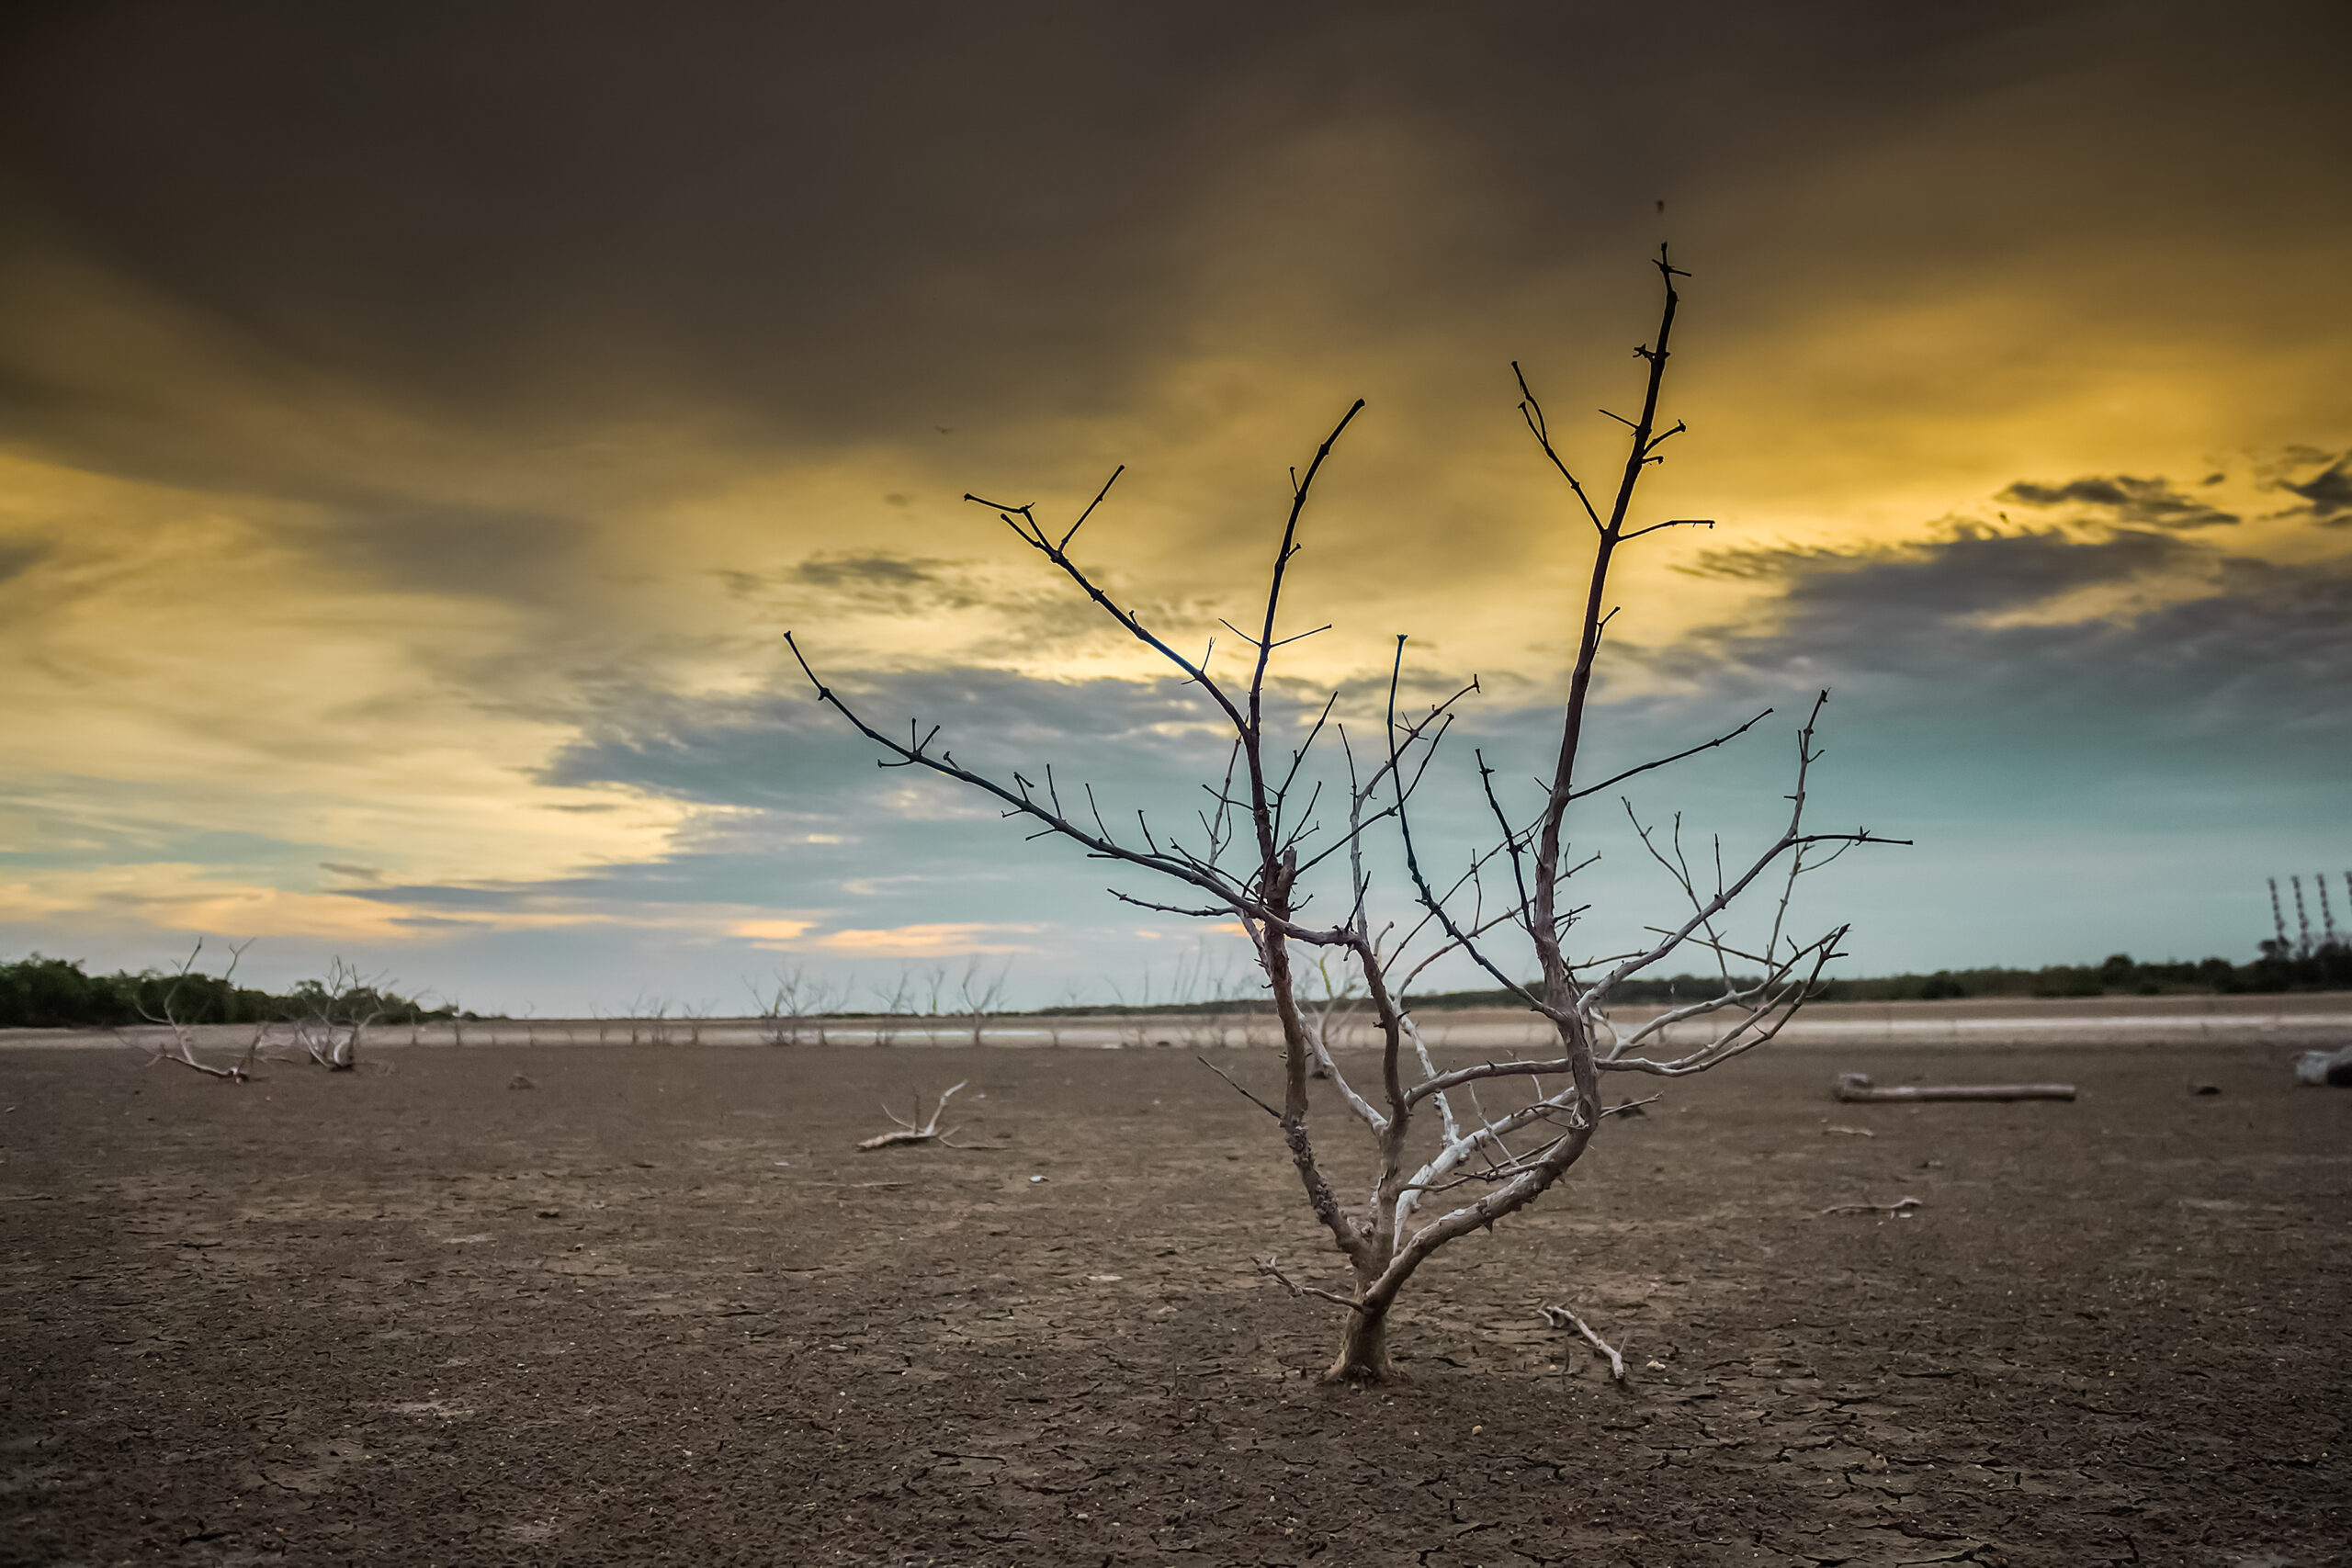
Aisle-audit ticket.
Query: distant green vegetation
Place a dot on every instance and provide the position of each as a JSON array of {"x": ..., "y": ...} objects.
[
  {"x": 54, "y": 993},
  {"x": 2325, "y": 968}
]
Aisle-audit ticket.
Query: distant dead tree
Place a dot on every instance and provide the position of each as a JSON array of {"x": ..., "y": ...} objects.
[
  {"x": 892, "y": 1000},
  {"x": 792, "y": 1004},
  {"x": 648, "y": 1019},
  {"x": 330, "y": 1019},
  {"x": 177, "y": 1042},
  {"x": 1260, "y": 840},
  {"x": 980, "y": 995}
]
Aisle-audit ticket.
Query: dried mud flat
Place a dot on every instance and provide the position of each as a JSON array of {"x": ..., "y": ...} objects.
[{"x": 653, "y": 1309}]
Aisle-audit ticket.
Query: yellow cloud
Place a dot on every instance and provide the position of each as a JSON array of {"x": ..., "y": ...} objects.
[
  {"x": 174, "y": 665},
  {"x": 950, "y": 939},
  {"x": 771, "y": 932},
  {"x": 181, "y": 898}
]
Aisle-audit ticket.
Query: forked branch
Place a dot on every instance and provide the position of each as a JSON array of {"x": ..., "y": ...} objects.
[
  {"x": 907, "y": 1131},
  {"x": 179, "y": 1044}
]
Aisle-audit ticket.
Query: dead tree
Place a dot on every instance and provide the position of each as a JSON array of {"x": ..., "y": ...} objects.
[
  {"x": 893, "y": 1000},
  {"x": 981, "y": 995},
  {"x": 331, "y": 1020},
  {"x": 177, "y": 1042},
  {"x": 793, "y": 1004},
  {"x": 1250, "y": 852}
]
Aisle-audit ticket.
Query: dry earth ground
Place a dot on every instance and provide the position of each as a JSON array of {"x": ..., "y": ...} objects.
[{"x": 654, "y": 1310}]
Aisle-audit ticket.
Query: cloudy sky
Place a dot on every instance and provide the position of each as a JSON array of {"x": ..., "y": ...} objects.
[{"x": 418, "y": 424}]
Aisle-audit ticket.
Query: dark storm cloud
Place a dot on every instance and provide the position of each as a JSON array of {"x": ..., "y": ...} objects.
[
  {"x": 877, "y": 582},
  {"x": 19, "y": 556},
  {"x": 851, "y": 219},
  {"x": 2148, "y": 503},
  {"x": 1923, "y": 642},
  {"x": 783, "y": 751},
  {"x": 2193, "y": 717},
  {"x": 450, "y": 548},
  {"x": 799, "y": 816},
  {"x": 1973, "y": 572},
  {"x": 2328, "y": 491},
  {"x": 2241, "y": 647},
  {"x": 885, "y": 571}
]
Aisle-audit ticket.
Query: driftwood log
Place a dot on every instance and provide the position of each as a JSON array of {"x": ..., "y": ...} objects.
[{"x": 1857, "y": 1085}]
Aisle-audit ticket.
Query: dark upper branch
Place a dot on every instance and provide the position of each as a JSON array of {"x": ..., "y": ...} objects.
[
  {"x": 1513, "y": 841},
  {"x": 1092, "y": 505},
  {"x": 1165, "y": 909},
  {"x": 1542, "y": 928},
  {"x": 1532, "y": 412},
  {"x": 1299, "y": 760},
  {"x": 1361, "y": 795},
  {"x": 1429, "y": 898},
  {"x": 1672, "y": 523},
  {"x": 1299, "y": 490},
  {"x": 1285, "y": 642},
  {"x": 1034, "y": 536},
  {"x": 1662, "y": 761},
  {"x": 1019, "y": 803}
]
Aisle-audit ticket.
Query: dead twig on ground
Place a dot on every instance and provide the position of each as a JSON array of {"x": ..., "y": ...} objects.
[
  {"x": 1901, "y": 1206},
  {"x": 907, "y": 1131},
  {"x": 1565, "y": 1317}
]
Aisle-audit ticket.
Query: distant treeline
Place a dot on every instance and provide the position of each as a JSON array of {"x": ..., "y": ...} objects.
[
  {"x": 2325, "y": 968},
  {"x": 54, "y": 993}
]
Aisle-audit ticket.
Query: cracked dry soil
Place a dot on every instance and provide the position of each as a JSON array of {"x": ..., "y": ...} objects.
[{"x": 655, "y": 1310}]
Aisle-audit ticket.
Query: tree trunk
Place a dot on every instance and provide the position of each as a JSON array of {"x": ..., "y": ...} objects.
[{"x": 1364, "y": 1351}]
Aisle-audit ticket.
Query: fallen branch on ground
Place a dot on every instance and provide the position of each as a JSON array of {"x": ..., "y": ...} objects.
[
  {"x": 182, "y": 1050},
  {"x": 180, "y": 1037},
  {"x": 1857, "y": 1086},
  {"x": 1900, "y": 1206},
  {"x": 1564, "y": 1317},
  {"x": 1850, "y": 1132},
  {"x": 907, "y": 1131}
]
